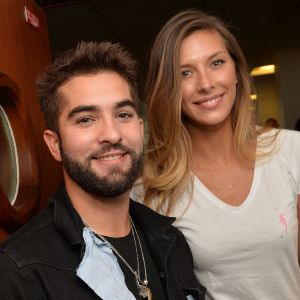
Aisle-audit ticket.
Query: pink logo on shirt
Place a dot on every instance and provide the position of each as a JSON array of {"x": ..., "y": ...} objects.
[{"x": 283, "y": 221}]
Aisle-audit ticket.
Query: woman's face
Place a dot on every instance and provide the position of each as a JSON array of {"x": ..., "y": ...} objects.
[{"x": 208, "y": 79}]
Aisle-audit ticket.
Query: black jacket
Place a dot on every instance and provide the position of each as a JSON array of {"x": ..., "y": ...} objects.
[{"x": 39, "y": 261}]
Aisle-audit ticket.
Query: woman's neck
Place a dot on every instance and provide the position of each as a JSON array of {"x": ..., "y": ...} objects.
[{"x": 212, "y": 143}]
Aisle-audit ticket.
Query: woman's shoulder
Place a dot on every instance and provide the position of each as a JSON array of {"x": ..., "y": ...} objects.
[
  {"x": 280, "y": 133},
  {"x": 137, "y": 192},
  {"x": 289, "y": 134},
  {"x": 283, "y": 143},
  {"x": 278, "y": 138},
  {"x": 289, "y": 139}
]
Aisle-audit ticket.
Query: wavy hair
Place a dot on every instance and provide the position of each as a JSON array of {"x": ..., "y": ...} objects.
[{"x": 167, "y": 168}]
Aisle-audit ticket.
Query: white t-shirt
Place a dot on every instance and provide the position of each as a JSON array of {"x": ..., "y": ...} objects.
[{"x": 249, "y": 252}]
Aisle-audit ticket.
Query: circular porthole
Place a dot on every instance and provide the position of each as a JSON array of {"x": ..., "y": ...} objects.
[
  {"x": 18, "y": 162},
  {"x": 9, "y": 165}
]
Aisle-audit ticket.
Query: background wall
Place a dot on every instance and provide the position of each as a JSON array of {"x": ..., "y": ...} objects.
[
  {"x": 288, "y": 85},
  {"x": 267, "y": 96}
]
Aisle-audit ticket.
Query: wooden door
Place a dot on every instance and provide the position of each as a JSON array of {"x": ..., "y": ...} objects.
[{"x": 28, "y": 174}]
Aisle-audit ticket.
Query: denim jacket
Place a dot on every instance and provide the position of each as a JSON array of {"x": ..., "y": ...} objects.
[{"x": 39, "y": 261}]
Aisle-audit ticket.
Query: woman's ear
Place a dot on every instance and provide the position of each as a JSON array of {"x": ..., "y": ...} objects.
[{"x": 52, "y": 141}]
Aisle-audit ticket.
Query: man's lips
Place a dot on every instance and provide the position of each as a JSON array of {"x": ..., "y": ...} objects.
[
  {"x": 110, "y": 153},
  {"x": 110, "y": 157}
]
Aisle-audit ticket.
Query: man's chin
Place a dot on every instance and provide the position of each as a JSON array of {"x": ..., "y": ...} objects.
[
  {"x": 112, "y": 176},
  {"x": 110, "y": 170},
  {"x": 101, "y": 180}
]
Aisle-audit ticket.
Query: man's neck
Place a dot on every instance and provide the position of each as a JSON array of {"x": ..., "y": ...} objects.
[{"x": 107, "y": 216}]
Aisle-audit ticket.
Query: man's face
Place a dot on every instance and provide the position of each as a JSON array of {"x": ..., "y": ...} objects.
[{"x": 100, "y": 134}]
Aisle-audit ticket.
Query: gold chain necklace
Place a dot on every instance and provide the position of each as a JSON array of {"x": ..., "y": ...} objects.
[
  {"x": 227, "y": 186},
  {"x": 223, "y": 187},
  {"x": 142, "y": 285}
]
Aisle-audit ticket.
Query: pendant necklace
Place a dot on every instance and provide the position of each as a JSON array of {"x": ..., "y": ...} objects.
[
  {"x": 142, "y": 285},
  {"x": 227, "y": 186}
]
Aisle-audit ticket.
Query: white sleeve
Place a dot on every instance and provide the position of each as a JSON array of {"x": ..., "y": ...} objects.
[{"x": 291, "y": 152}]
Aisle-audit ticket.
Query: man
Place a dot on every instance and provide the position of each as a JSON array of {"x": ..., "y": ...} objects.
[{"x": 92, "y": 242}]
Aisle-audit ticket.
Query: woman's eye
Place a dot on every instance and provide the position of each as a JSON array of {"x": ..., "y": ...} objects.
[
  {"x": 218, "y": 62},
  {"x": 186, "y": 73}
]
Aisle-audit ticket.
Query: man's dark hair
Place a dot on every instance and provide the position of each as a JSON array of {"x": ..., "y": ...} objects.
[{"x": 85, "y": 58}]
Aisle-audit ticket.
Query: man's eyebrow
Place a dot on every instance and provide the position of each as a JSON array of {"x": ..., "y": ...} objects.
[
  {"x": 82, "y": 108},
  {"x": 127, "y": 102}
]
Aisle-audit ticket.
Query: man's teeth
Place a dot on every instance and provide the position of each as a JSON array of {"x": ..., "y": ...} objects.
[{"x": 111, "y": 157}]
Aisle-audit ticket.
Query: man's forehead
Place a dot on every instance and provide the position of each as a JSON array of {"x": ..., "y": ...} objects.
[
  {"x": 101, "y": 74},
  {"x": 108, "y": 78}
]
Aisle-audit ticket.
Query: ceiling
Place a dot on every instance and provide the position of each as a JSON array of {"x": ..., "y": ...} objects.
[{"x": 262, "y": 27}]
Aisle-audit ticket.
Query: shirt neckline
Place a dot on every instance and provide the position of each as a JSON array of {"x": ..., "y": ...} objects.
[{"x": 219, "y": 202}]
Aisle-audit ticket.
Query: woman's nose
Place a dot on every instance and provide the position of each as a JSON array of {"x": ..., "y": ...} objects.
[{"x": 204, "y": 82}]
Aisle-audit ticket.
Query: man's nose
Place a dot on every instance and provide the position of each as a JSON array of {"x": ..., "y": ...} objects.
[{"x": 110, "y": 131}]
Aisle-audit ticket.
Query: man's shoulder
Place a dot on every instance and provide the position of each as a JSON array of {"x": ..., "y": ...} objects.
[
  {"x": 28, "y": 241},
  {"x": 149, "y": 215},
  {"x": 154, "y": 222}
]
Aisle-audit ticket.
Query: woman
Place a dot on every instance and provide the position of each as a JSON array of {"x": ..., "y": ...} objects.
[{"x": 232, "y": 185}]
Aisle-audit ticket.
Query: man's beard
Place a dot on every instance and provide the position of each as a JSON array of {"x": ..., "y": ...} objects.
[{"x": 114, "y": 183}]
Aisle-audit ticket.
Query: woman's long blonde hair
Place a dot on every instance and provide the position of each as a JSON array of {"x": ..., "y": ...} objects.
[{"x": 167, "y": 168}]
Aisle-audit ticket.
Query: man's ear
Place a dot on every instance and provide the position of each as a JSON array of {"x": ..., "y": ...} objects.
[{"x": 52, "y": 141}]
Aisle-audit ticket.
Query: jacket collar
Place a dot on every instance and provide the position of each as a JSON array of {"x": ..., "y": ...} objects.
[
  {"x": 66, "y": 217},
  {"x": 70, "y": 223},
  {"x": 156, "y": 229},
  {"x": 149, "y": 220}
]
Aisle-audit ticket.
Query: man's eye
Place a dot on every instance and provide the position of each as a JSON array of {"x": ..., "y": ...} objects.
[
  {"x": 85, "y": 120},
  {"x": 125, "y": 115}
]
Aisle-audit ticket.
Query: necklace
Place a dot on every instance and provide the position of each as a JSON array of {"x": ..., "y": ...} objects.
[
  {"x": 142, "y": 285},
  {"x": 220, "y": 171},
  {"x": 228, "y": 186}
]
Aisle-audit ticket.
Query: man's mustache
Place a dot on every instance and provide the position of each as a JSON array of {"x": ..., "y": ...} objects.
[{"x": 108, "y": 147}]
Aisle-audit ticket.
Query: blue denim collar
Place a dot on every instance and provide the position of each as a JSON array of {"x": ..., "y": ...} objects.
[{"x": 100, "y": 269}]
